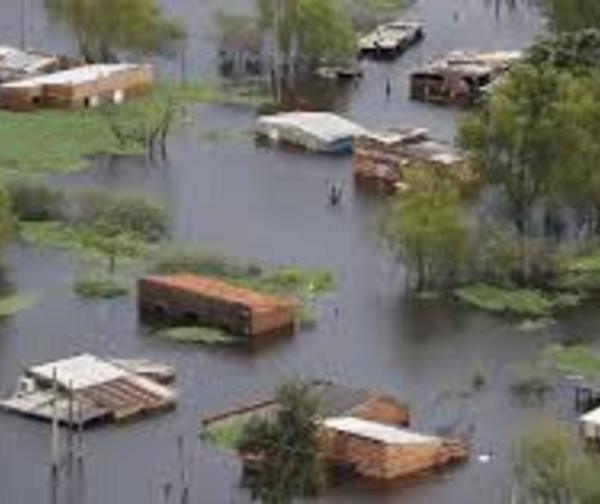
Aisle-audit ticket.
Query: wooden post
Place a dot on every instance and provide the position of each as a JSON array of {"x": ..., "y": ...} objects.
[{"x": 55, "y": 427}]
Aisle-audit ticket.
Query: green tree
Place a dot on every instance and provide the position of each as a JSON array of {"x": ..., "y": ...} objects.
[
  {"x": 576, "y": 52},
  {"x": 102, "y": 28},
  {"x": 429, "y": 229},
  {"x": 286, "y": 448},
  {"x": 551, "y": 467},
  {"x": 572, "y": 15},
  {"x": 514, "y": 143}
]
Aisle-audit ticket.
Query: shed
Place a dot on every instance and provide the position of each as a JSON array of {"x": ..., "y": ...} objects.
[
  {"x": 391, "y": 39},
  {"x": 85, "y": 389},
  {"x": 379, "y": 451},
  {"x": 193, "y": 299},
  {"x": 382, "y": 161},
  {"x": 460, "y": 78},
  {"x": 85, "y": 86},
  {"x": 314, "y": 131}
]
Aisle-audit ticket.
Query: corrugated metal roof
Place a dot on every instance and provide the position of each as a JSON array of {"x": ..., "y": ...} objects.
[
  {"x": 325, "y": 126},
  {"x": 79, "y": 372},
  {"x": 377, "y": 431}
]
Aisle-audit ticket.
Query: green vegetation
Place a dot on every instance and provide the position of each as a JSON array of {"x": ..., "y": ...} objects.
[
  {"x": 428, "y": 228},
  {"x": 287, "y": 448},
  {"x": 531, "y": 381},
  {"x": 578, "y": 359},
  {"x": 64, "y": 140},
  {"x": 33, "y": 200},
  {"x": 100, "y": 287},
  {"x": 524, "y": 302},
  {"x": 198, "y": 335},
  {"x": 103, "y": 29},
  {"x": 227, "y": 434},
  {"x": 550, "y": 465},
  {"x": 11, "y": 305},
  {"x": 572, "y": 15}
]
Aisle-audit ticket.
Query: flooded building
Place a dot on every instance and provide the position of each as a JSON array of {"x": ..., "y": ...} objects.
[
  {"x": 384, "y": 452},
  {"x": 16, "y": 64},
  {"x": 80, "y": 87},
  {"x": 460, "y": 78},
  {"x": 382, "y": 161},
  {"x": 391, "y": 39},
  {"x": 322, "y": 132},
  {"x": 86, "y": 389},
  {"x": 195, "y": 300}
]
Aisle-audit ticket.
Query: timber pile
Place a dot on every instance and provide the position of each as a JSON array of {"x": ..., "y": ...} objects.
[{"x": 192, "y": 299}]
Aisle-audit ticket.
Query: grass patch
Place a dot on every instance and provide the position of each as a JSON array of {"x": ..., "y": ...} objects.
[
  {"x": 578, "y": 359},
  {"x": 100, "y": 287},
  {"x": 521, "y": 302},
  {"x": 59, "y": 141},
  {"x": 198, "y": 335},
  {"x": 81, "y": 239},
  {"x": 227, "y": 434},
  {"x": 11, "y": 305}
]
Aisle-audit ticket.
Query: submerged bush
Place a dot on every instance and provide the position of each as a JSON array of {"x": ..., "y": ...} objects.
[
  {"x": 190, "y": 260},
  {"x": 33, "y": 200},
  {"x": 134, "y": 214}
]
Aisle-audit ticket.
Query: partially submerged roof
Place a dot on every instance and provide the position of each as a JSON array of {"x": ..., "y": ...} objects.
[
  {"x": 472, "y": 63},
  {"x": 74, "y": 76},
  {"x": 325, "y": 126},
  {"x": 434, "y": 151},
  {"x": 338, "y": 400},
  {"x": 78, "y": 372},
  {"x": 378, "y": 432},
  {"x": 219, "y": 289}
]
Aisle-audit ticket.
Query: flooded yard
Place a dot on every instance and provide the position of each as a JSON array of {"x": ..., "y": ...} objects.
[{"x": 227, "y": 194}]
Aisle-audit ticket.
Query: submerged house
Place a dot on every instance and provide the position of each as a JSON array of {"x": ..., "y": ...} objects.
[
  {"x": 391, "y": 39},
  {"x": 381, "y": 161},
  {"x": 80, "y": 87},
  {"x": 460, "y": 78},
  {"x": 385, "y": 452},
  {"x": 16, "y": 64},
  {"x": 360, "y": 430},
  {"x": 85, "y": 389},
  {"x": 322, "y": 132},
  {"x": 192, "y": 299}
]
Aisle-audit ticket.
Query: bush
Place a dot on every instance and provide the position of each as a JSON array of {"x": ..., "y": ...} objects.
[
  {"x": 33, "y": 200},
  {"x": 189, "y": 260},
  {"x": 134, "y": 214},
  {"x": 100, "y": 287}
]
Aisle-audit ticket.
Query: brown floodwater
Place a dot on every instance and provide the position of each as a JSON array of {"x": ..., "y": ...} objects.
[{"x": 227, "y": 194}]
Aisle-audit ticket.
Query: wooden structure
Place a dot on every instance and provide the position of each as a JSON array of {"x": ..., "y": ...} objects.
[
  {"x": 379, "y": 451},
  {"x": 191, "y": 299},
  {"x": 391, "y": 39},
  {"x": 334, "y": 400},
  {"x": 382, "y": 161},
  {"x": 85, "y": 389},
  {"x": 314, "y": 131},
  {"x": 460, "y": 78},
  {"x": 85, "y": 86}
]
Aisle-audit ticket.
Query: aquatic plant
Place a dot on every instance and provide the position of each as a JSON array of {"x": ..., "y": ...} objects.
[
  {"x": 198, "y": 335},
  {"x": 32, "y": 199},
  {"x": 100, "y": 287},
  {"x": 577, "y": 359}
]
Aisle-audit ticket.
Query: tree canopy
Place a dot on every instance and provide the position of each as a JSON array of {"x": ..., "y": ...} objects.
[{"x": 102, "y": 28}]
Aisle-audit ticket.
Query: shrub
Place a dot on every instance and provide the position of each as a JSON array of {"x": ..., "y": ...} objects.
[
  {"x": 33, "y": 200},
  {"x": 189, "y": 260},
  {"x": 101, "y": 287},
  {"x": 134, "y": 214}
]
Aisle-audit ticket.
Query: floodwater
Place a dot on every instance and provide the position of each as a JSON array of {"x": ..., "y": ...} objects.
[{"x": 228, "y": 195}]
